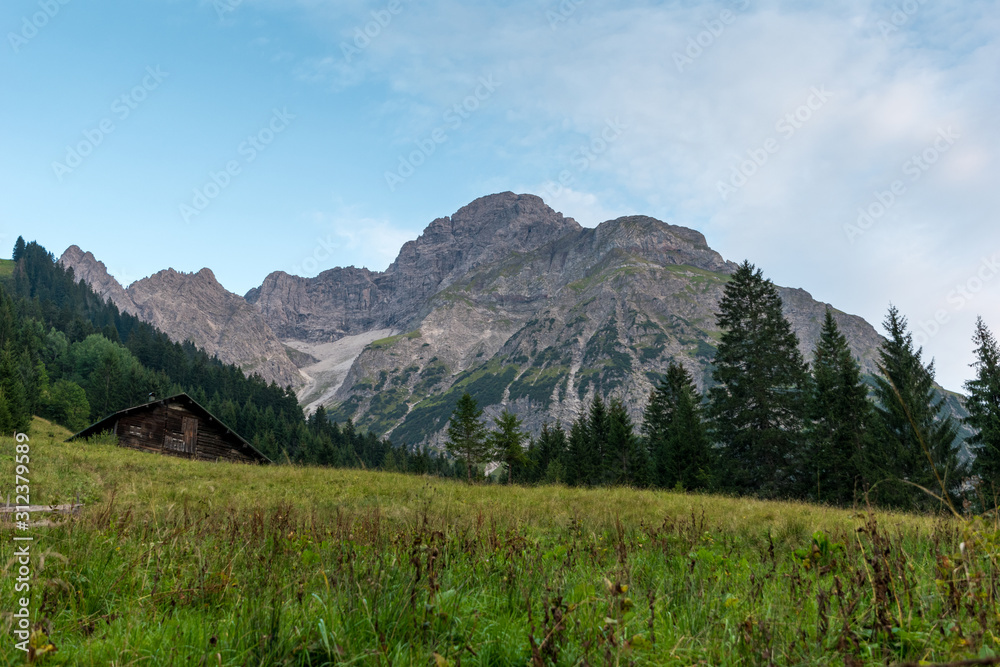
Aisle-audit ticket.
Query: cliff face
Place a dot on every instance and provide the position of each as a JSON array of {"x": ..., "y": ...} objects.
[
  {"x": 195, "y": 307},
  {"x": 524, "y": 309},
  {"x": 87, "y": 268},
  {"x": 349, "y": 301}
]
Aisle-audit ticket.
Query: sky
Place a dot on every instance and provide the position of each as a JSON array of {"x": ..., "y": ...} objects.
[{"x": 847, "y": 148}]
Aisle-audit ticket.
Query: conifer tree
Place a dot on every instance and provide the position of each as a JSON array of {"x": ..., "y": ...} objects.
[
  {"x": 983, "y": 405},
  {"x": 467, "y": 434},
  {"x": 577, "y": 461},
  {"x": 655, "y": 419},
  {"x": 549, "y": 452},
  {"x": 758, "y": 404},
  {"x": 506, "y": 442},
  {"x": 6, "y": 423},
  {"x": 18, "y": 248},
  {"x": 626, "y": 459},
  {"x": 675, "y": 433},
  {"x": 839, "y": 430},
  {"x": 916, "y": 438},
  {"x": 598, "y": 432},
  {"x": 14, "y": 394}
]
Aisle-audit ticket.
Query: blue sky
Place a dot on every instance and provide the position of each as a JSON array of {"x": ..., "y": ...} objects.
[{"x": 847, "y": 148}]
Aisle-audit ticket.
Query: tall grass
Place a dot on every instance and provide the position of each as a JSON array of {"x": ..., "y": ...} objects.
[{"x": 178, "y": 562}]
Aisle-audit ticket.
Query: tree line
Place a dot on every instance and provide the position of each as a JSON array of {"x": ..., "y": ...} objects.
[{"x": 772, "y": 425}]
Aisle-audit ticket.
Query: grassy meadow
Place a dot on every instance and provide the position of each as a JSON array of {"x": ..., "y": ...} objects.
[{"x": 174, "y": 562}]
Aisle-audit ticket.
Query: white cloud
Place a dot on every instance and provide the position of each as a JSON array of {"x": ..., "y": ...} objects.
[
  {"x": 584, "y": 207},
  {"x": 689, "y": 126},
  {"x": 346, "y": 237}
]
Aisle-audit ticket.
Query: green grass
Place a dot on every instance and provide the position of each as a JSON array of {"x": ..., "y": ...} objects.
[
  {"x": 389, "y": 341},
  {"x": 180, "y": 562},
  {"x": 6, "y": 268}
]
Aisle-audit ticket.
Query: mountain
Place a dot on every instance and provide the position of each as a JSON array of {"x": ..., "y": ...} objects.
[
  {"x": 350, "y": 301},
  {"x": 194, "y": 307},
  {"x": 523, "y": 308},
  {"x": 87, "y": 268},
  {"x": 507, "y": 299}
]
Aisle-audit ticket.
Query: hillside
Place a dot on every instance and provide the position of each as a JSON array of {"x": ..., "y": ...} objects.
[
  {"x": 194, "y": 307},
  {"x": 176, "y": 561}
]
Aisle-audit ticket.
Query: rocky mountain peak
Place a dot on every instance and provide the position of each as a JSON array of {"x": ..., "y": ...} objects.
[
  {"x": 207, "y": 275},
  {"x": 488, "y": 228},
  {"x": 194, "y": 307},
  {"x": 659, "y": 242},
  {"x": 350, "y": 301},
  {"x": 89, "y": 269}
]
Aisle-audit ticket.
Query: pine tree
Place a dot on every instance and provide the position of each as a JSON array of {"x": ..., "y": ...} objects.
[
  {"x": 626, "y": 459},
  {"x": 6, "y": 423},
  {"x": 577, "y": 459},
  {"x": 549, "y": 452},
  {"x": 467, "y": 434},
  {"x": 597, "y": 450},
  {"x": 916, "y": 437},
  {"x": 655, "y": 420},
  {"x": 18, "y": 248},
  {"x": 506, "y": 442},
  {"x": 758, "y": 404},
  {"x": 839, "y": 431},
  {"x": 983, "y": 405},
  {"x": 675, "y": 433},
  {"x": 14, "y": 393}
]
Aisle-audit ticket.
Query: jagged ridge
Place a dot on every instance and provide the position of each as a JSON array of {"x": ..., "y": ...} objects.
[{"x": 195, "y": 307}]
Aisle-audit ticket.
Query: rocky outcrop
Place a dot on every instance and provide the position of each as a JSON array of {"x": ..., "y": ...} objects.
[
  {"x": 195, "y": 307},
  {"x": 87, "y": 268},
  {"x": 351, "y": 301}
]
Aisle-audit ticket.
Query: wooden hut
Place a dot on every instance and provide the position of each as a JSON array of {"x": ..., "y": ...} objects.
[{"x": 177, "y": 426}]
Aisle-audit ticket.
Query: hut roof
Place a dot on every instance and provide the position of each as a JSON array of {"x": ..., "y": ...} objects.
[{"x": 106, "y": 423}]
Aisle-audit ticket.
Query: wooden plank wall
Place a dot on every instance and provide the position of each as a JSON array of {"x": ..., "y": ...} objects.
[{"x": 161, "y": 430}]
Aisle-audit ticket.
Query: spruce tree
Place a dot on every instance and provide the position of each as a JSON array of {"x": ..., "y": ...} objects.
[
  {"x": 758, "y": 404},
  {"x": 916, "y": 438},
  {"x": 506, "y": 442},
  {"x": 655, "y": 420},
  {"x": 839, "y": 430},
  {"x": 15, "y": 396},
  {"x": 18, "y": 248},
  {"x": 577, "y": 462},
  {"x": 675, "y": 433},
  {"x": 983, "y": 405},
  {"x": 467, "y": 434},
  {"x": 6, "y": 423},
  {"x": 626, "y": 459},
  {"x": 598, "y": 433},
  {"x": 550, "y": 450}
]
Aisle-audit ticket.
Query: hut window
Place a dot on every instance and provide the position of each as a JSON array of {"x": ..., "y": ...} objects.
[{"x": 173, "y": 443}]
